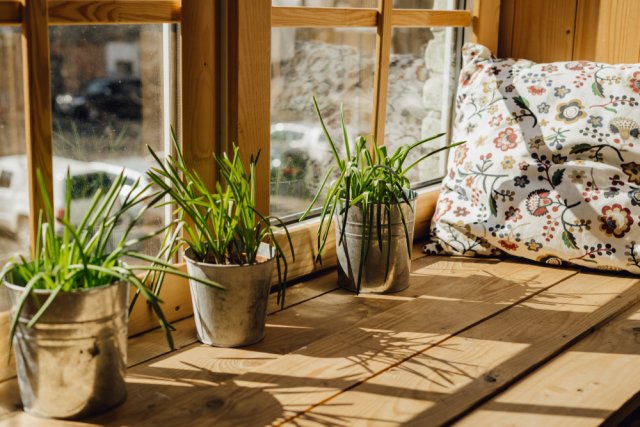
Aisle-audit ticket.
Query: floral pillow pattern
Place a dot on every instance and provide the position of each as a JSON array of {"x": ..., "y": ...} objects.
[{"x": 551, "y": 167}]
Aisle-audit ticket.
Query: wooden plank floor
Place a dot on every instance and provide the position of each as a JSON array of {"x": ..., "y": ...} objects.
[{"x": 471, "y": 342}]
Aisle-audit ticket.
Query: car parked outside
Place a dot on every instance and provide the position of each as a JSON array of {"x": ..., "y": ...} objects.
[
  {"x": 102, "y": 97},
  {"x": 86, "y": 179}
]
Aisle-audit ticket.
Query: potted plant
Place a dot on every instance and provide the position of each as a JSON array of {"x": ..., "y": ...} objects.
[
  {"x": 70, "y": 301},
  {"x": 228, "y": 242},
  {"x": 373, "y": 204}
]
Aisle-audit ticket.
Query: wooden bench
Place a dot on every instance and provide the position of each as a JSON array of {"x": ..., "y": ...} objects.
[{"x": 472, "y": 341}]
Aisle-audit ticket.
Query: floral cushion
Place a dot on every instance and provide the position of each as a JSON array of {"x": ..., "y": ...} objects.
[{"x": 551, "y": 167}]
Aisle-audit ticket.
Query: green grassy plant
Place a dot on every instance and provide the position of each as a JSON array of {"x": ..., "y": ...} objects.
[
  {"x": 221, "y": 226},
  {"x": 96, "y": 252},
  {"x": 372, "y": 179}
]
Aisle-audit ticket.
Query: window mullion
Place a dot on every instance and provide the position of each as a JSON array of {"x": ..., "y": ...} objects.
[
  {"x": 200, "y": 124},
  {"x": 381, "y": 78},
  {"x": 249, "y": 83},
  {"x": 37, "y": 105}
]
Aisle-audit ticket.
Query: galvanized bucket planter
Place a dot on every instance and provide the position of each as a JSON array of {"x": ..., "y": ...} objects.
[
  {"x": 71, "y": 363},
  {"x": 236, "y": 316},
  {"x": 351, "y": 250}
]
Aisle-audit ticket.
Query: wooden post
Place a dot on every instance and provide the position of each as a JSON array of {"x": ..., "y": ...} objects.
[
  {"x": 381, "y": 79},
  {"x": 486, "y": 23},
  {"x": 37, "y": 104},
  {"x": 200, "y": 124},
  {"x": 249, "y": 83}
]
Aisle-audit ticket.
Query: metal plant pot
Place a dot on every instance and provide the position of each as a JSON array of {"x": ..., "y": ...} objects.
[
  {"x": 71, "y": 363},
  {"x": 351, "y": 250},
  {"x": 236, "y": 316}
]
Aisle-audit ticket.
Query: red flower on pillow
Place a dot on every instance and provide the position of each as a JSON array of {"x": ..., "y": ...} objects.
[
  {"x": 615, "y": 220},
  {"x": 536, "y": 90},
  {"x": 634, "y": 83},
  {"x": 513, "y": 214},
  {"x": 538, "y": 202},
  {"x": 506, "y": 140},
  {"x": 510, "y": 246}
]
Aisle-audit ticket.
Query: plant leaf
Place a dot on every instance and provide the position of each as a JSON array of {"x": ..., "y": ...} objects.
[
  {"x": 521, "y": 102},
  {"x": 569, "y": 240},
  {"x": 597, "y": 89},
  {"x": 580, "y": 148},
  {"x": 493, "y": 205},
  {"x": 556, "y": 178}
]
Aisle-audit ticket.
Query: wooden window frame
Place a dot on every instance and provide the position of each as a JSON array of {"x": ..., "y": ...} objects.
[{"x": 215, "y": 108}]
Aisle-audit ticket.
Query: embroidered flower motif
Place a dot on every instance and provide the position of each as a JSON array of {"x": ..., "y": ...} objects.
[
  {"x": 543, "y": 108},
  {"x": 512, "y": 214},
  {"x": 634, "y": 83},
  {"x": 533, "y": 246},
  {"x": 536, "y": 90},
  {"x": 495, "y": 121},
  {"x": 634, "y": 195},
  {"x": 575, "y": 65},
  {"x": 523, "y": 166},
  {"x": 538, "y": 202},
  {"x": 616, "y": 220},
  {"x": 536, "y": 142},
  {"x": 493, "y": 71},
  {"x": 632, "y": 170},
  {"x": 625, "y": 127},
  {"x": 561, "y": 91},
  {"x": 595, "y": 121},
  {"x": 460, "y": 154},
  {"x": 508, "y": 162},
  {"x": 577, "y": 176},
  {"x": 570, "y": 112},
  {"x": 461, "y": 211},
  {"x": 506, "y": 140},
  {"x": 466, "y": 78},
  {"x": 521, "y": 181},
  {"x": 490, "y": 86},
  {"x": 510, "y": 246}
]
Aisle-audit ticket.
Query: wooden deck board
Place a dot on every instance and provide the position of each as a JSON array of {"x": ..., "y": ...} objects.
[
  {"x": 466, "y": 332},
  {"x": 294, "y": 382},
  {"x": 584, "y": 386},
  {"x": 454, "y": 376}
]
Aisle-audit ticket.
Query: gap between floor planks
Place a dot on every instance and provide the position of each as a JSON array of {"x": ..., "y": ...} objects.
[{"x": 330, "y": 365}]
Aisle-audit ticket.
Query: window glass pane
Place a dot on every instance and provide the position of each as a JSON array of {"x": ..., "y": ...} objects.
[
  {"x": 422, "y": 76},
  {"x": 425, "y": 4},
  {"x": 14, "y": 190},
  {"x": 108, "y": 89},
  {"x": 336, "y": 66},
  {"x": 327, "y": 3}
]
